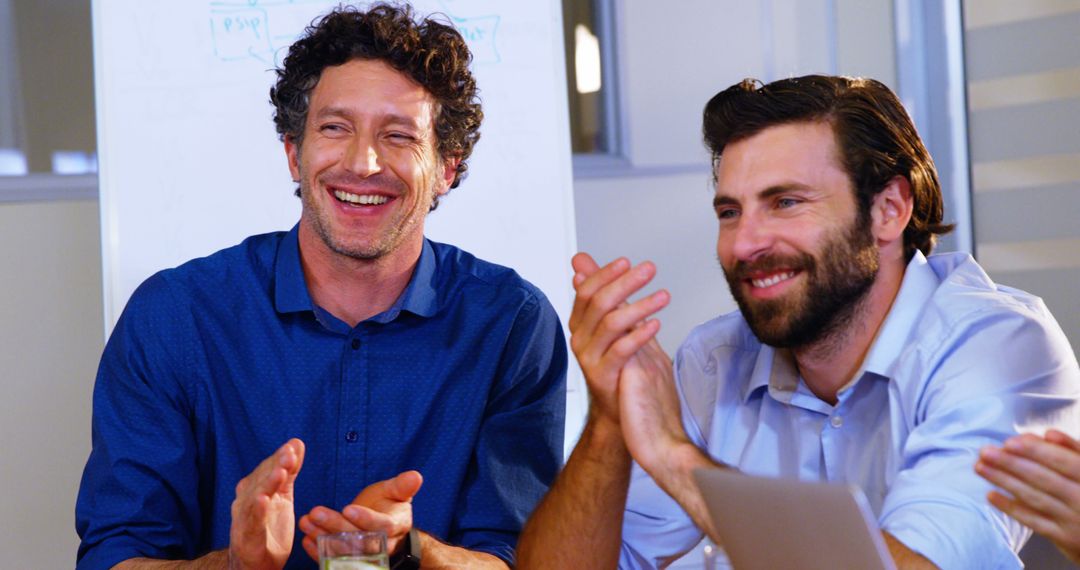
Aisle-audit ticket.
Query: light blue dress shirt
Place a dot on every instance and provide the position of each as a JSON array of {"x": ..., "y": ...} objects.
[{"x": 960, "y": 362}]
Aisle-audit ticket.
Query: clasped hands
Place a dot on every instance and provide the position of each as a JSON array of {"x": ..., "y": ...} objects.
[
  {"x": 263, "y": 521},
  {"x": 630, "y": 377}
]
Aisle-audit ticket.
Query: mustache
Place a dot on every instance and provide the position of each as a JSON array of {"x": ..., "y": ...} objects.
[
  {"x": 381, "y": 181},
  {"x": 744, "y": 269}
]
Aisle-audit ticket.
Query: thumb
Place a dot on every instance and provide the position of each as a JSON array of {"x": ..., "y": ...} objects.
[{"x": 405, "y": 486}]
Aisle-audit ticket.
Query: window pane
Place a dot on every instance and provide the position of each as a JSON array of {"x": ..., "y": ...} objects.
[
  {"x": 46, "y": 87},
  {"x": 589, "y": 85}
]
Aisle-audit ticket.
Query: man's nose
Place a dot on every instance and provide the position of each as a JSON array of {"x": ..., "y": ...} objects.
[
  {"x": 752, "y": 238},
  {"x": 362, "y": 157}
]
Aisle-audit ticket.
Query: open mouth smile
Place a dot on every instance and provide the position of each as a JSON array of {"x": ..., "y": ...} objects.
[
  {"x": 361, "y": 199},
  {"x": 769, "y": 281}
]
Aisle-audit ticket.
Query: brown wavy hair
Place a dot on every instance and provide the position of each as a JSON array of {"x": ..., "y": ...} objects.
[
  {"x": 874, "y": 134},
  {"x": 431, "y": 53}
]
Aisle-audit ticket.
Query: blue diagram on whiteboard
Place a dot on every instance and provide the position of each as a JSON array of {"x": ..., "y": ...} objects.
[{"x": 262, "y": 30}]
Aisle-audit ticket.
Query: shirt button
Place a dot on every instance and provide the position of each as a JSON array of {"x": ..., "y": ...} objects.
[
  {"x": 356, "y": 344},
  {"x": 352, "y": 436},
  {"x": 836, "y": 421}
]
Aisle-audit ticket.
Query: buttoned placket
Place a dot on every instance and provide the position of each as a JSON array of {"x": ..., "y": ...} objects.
[{"x": 352, "y": 429}]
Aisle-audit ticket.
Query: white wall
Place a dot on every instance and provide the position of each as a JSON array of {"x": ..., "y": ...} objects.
[{"x": 50, "y": 334}]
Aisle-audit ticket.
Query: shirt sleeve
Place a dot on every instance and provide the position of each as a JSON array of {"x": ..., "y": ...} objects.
[
  {"x": 999, "y": 373},
  {"x": 138, "y": 496},
  {"x": 519, "y": 450}
]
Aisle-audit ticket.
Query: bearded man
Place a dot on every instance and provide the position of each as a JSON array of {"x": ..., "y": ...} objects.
[{"x": 853, "y": 357}]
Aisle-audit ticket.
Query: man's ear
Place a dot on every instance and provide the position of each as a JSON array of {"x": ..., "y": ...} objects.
[
  {"x": 292, "y": 153},
  {"x": 890, "y": 211},
  {"x": 450, "y": 165}
]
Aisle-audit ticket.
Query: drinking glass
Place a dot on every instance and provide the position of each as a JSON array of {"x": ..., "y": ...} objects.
[{"x": 354, "y": 550}]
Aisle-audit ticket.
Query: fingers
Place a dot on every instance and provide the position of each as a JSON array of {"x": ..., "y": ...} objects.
[
  {"x": 587, "y": 279},
  {"x": 291, "y": 459},
  {"x": 275, "y": 474},
  {"x": 1025, "y": 515},
  {"x": 298, "y": 451},
  {"x": 1044, "y": 463},
  {"x": 1062, "y": 439},
  {"x": 270, "y": 483},
  {"x": 619, "y": 333},
  {"x": 311, "y": 547},
  {"x": 1042, "y": 475},
  {"x": 607, "y": 290},
  {"x": 385, "y": 505},
  {"x": 622, "y": 349},
  {"x": 603, "y": 355},
  {"x": 273, "y": 468},
  {"x": 601, "y": 298},
  {"x": 394, "y": 523},
  {"x": 603, "y": 293},
  {"x": 320, "y": 521},
  {"x": 584, "y": 264},
  {"x": 1021, "y": 479}
]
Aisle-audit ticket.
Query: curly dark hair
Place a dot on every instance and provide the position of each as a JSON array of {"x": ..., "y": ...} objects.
[
  {"x": 874, "y": 134},
  {"x": 431, "y": 53}
]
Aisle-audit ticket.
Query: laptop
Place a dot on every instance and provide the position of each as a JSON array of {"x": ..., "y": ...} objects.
[{"x": 767, "y": 523}]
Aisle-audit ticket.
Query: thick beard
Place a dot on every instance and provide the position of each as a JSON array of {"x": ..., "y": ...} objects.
[
  {"x": 380, "y": 247},
  {"x": 838, "y": 280}
]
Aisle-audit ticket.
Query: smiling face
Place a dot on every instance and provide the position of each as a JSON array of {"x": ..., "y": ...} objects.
[
  {"x": 368, "y": 166},
  {"x": 798, "y": 256}
]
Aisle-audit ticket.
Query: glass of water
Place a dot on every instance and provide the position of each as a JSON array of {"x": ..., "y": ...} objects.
[{"x": 354, "y": 550}]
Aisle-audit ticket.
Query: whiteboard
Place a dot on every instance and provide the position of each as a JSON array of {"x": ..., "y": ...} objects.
[{"x": 190, "y": 162}]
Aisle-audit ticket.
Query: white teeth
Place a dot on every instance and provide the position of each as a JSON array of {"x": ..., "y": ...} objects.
[
  {"x": 770, "y": 281},
  {"x": 363, "y": 199}
]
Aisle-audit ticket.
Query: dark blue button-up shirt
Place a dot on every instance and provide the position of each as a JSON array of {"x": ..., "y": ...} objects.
[{"x": 216, "y": 363}]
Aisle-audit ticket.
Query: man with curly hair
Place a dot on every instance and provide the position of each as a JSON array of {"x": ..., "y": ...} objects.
[{"x": 288, "y": 373}]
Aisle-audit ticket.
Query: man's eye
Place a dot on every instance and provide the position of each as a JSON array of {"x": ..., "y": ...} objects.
[
  {"x": 331, "y": 128},
  {"x": 784, "y": 203},
  {"x": 401, "y": 136},
  {"x": 727, "y": 213}
]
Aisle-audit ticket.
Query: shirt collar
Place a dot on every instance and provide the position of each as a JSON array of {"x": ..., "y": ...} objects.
[
  {"x": 776, "y": 368},
  {"x": 917, "y": 287},
  {"x": 290, "y": 289},
  {"x": 420, "y": 296},
  {"x": 763, "y": 373},
  {"x": 291, "y": 294}
]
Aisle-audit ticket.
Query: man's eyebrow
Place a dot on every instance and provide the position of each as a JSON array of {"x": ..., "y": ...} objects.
[
  {"x": 719, "y": 200},
  {"x": 333, "y": 112},
  {"x": 403, "y": 120},
  {"x": 770, "y": 192},
  {"x": 389, "y": 118},
  {"x": 773, "y": 191}
]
